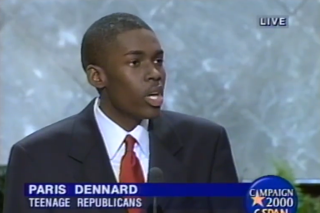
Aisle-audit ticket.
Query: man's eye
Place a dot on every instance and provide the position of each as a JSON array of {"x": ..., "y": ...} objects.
[
  {"x": 134, "y": 63},
  {"x": 158, "y": 61}
]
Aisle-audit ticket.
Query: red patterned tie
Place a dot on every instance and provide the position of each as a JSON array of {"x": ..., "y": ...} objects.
[{"x": 130, "y": 169}]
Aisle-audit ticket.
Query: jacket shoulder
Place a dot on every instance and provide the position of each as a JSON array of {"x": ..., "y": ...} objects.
[
  {"x": 48, "y": 137},
  {"x": 193, "y": 122}
]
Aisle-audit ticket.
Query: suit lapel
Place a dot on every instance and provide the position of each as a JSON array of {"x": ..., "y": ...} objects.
[
  {"x": 165, "y": 144},
  {"x": 89, "y": 152}
]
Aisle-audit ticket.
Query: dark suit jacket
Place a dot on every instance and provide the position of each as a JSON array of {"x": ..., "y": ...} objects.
[{"x": 187, "y": 149}]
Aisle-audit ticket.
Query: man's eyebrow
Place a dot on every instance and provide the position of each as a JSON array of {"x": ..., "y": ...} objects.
[
  {"x": 135, "y": 52},
  {"x": 159, "y": 52},
  {"x": 140, "y": 52}
]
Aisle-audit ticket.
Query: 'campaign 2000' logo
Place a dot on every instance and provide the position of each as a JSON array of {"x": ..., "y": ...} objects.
[{"x": 271, "y": 194}]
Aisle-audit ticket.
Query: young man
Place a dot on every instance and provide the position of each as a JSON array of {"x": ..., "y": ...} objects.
[{"x": 123, "y": 133}]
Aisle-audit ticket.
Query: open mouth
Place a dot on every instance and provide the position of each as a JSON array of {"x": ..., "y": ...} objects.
[{"x": 155, "y": 99}]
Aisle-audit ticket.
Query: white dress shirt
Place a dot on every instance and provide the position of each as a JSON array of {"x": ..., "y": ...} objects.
[{"x": 113, "y": 136}]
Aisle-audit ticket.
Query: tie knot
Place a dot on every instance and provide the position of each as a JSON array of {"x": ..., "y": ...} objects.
[{"x": 130, "y": 141}]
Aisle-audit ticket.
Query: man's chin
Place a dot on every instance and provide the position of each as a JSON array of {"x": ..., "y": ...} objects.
[{"x": 152, "y": 112}]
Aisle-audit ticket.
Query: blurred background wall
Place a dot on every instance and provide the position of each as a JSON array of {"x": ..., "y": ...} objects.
[{"x": 262, "y": 84}]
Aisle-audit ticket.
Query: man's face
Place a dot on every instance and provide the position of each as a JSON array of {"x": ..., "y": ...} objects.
[{"x": 135, "y": 75}]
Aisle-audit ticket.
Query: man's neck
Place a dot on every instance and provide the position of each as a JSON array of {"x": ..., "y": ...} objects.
[{"x": 125, "y": 121}]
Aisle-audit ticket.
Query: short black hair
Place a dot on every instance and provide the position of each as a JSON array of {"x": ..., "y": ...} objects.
[{"x": 105, "y": 31}]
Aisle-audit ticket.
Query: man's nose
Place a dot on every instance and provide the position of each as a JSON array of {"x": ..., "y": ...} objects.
[{"x": 154, "y": 74}]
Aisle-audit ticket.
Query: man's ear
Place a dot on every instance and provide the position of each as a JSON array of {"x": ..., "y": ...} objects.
[{"x": 96, "y": 76}]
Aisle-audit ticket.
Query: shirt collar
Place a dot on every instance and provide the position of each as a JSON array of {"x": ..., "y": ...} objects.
[{"x": 113, "y": 135}]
